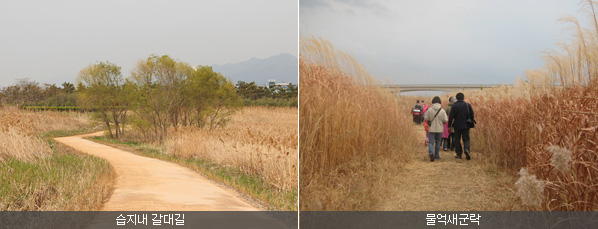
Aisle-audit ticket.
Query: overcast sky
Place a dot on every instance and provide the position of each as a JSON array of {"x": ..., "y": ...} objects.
[
  {"x": 51, "y": 41},
  {"x": 441, "y": 41}
]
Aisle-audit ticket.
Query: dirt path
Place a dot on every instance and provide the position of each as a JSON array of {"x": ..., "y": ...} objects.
[
  {"x": 147, "y": 184},
  {"x": 450, "y": 184}
]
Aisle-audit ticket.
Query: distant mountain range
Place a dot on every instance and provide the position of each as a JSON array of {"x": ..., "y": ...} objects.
[{"x": 282, "y": 68}]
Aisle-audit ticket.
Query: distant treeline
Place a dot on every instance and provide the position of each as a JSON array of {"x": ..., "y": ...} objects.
[
  {"x": 280, "y": 96},
  {"x": 161, "y": 93},
  {"x": 31, "y": 95},
  {"x": 53, "y": 108}
]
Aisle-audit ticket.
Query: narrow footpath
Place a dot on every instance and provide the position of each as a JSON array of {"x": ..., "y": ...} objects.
[
  {"x": 450, "y": 184},
  {"x": 147, "y": 184}
]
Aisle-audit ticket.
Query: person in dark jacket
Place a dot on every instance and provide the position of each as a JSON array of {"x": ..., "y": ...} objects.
[
  {"x": 452, "y": 100},
  {"x": 417, "y": 112},
  {"x": 457, "y": 119},
  {"x": 450, "y": 132}
]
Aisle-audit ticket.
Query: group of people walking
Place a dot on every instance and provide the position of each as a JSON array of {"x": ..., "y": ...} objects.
[
  {"x": 418, "y": 112},
  {"x": 446, "y": 127}
]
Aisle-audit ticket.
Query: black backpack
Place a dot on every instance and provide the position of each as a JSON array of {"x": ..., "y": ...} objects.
[{"x": 417, "y": 109}]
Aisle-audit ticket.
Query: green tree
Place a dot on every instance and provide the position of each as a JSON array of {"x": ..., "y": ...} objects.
[
  {"x": 160, "y": 98},
  {"x": 213, "y": 98},
  {"x": 277, "y": 95},
  {"x": 248, "y": 90},
  {"x": 102, "y": 90},
  {"x": 68, "y": 87},
  {"x": 169, "y": 93}
]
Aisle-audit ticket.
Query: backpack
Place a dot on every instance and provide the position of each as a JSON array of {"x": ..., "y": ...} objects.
[{"x": 417, "y": 110}]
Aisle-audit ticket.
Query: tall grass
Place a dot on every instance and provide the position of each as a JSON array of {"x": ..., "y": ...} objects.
[
  {"x": 19, "y": 131},
  {"x": 546, "y": 127},
  {"x": 64, "y": 181},
  {"x": 351, "y": 133},
  {"x": 37, "y": 173},
  {"x": 43, "y": 121},
  {"x": 255, "y": 153},
  {"x": 260, "y": 141}
]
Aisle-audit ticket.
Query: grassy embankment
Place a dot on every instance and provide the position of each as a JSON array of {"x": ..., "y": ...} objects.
[
  {"x": 256, "y": 153},
  {"x": 37, "y": 173}
]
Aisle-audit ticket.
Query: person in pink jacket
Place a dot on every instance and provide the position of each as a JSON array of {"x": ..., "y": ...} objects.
[{"x": 445, "y": 135}]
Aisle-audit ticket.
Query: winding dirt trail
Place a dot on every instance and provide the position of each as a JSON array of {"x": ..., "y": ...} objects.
[
  {"x": 147, "y": 184},
  {"x": 450, "y": 184}
]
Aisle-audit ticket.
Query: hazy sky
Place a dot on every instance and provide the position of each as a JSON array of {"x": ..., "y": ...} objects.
[
  {"x": 51, "y": 41},
  {"x": 442, "y": 41}
]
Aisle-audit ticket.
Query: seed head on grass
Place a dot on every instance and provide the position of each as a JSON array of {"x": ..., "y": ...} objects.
[
  {"x": 561, "y": 158},
  {"x": 529, "y": 189},
  {"x": 563, "y": 100}
]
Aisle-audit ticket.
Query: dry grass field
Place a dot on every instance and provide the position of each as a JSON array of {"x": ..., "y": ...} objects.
[
  {"x": 547, "y": 138},
  {"x": 542, "y": 133},
  {"x": 353, "y": 136},
  {"x": 19, "y": 131},
  {"x": 258, "y": 140},
  {"x": 36, "y": 173},
  {"x": 255, "y": 153},
  {"x": 545, "y": 129}
]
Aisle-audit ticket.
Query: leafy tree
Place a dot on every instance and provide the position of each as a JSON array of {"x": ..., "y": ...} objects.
[
  {"x": 169, "y": 93},
  {"x": 213, "y": 98},
  {"x": 159, "y": 81},
  {"x": 68, "y": 88},
  {"x": 103, "y": 91},
  {"x": 80, "y": 87}
]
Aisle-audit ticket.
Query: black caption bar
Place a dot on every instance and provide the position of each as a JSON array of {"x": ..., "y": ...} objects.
[
  {"x": 431, "y": 219},
  {"x": 149, "y": 219}
]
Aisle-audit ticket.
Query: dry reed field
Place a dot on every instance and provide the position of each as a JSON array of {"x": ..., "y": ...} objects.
[
  {"x": 546, "y": 129},
  {"x": 38, "y": 174},
  {"x": 353, "y": 136},
  {"x": 19, "y": 131},
  {"x": 259, "y": 141},
  {"x": 549, "y": 136}
]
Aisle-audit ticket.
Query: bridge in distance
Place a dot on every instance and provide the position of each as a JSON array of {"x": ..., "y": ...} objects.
[{"x": 396, "y": 88}]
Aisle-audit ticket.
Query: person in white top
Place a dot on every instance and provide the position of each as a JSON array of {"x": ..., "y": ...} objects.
[{"x": 437, "y": 118}]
